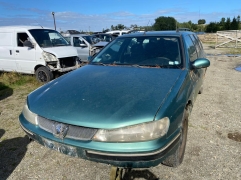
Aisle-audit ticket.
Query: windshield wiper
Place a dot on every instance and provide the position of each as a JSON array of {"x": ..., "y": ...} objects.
[{"x": 99, "y": 63}]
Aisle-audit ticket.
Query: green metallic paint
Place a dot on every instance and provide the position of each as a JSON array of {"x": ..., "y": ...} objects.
[
  {"x": 117, "y": 96},
  {"x": 201, "y": 63},
  {"x": 104, "y": 96}
]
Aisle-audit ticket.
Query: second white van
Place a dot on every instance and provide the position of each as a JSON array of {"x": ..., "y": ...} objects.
[{"x": 36, "y": 50}]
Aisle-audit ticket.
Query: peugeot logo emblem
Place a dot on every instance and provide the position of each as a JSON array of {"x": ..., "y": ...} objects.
[{"x": 60, "y": 130}]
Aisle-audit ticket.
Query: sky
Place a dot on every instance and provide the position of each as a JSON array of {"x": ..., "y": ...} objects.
[{"x": 96, "y": 15}]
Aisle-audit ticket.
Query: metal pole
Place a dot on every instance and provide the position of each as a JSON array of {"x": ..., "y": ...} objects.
[{"x": 54, "y": 21}]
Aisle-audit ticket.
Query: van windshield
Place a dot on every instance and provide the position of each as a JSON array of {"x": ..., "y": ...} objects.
[{"x": 48, "y": 38}]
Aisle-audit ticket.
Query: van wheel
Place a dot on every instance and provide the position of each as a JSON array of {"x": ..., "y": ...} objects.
[
  {"x": 44, "y": 75},
  {"x": 176, "y": 158}
]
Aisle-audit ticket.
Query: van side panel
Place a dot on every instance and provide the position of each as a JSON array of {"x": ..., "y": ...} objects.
[{"x": 7, "y": 59}]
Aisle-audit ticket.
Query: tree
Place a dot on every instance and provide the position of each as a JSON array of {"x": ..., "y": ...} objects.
[
  {"x": 133, "y": 26},
  {"x": 164, "y": 23},
  {"x": 227, "y": 24},
  {"x": 222, "y": 24},
  {"x": 120, "y": 27},
  {"x": 234, "y": 25},
  {"x": 238, "y": 21},
  {"x": 201, "y": 21},
  {"x": 213, "y": 27}
]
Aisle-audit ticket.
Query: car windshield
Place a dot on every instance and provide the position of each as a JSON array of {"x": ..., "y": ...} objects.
[
  {"x": 89, "y": 39},
  {"x": 48, "y": 38},
  {"x": 159, "y": 51}
]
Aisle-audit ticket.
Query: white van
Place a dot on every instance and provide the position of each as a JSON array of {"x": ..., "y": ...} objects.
[{"x": 35, "y": 50}]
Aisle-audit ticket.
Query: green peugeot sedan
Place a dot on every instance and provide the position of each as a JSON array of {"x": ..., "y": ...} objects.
[{"x": 128, "y": 107}]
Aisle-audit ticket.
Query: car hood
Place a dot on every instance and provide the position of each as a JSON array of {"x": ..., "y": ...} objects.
[
  {"x": 62, "y": 51},
  {"x": 104, "y": 96},
  {"x": 100, "y": 44}
]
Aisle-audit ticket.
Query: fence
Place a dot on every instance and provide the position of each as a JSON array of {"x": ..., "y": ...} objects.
[{"x": 228, "y": 39}]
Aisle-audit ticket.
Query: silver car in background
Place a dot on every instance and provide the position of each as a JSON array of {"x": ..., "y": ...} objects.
[{"x": 85, "y": 45}]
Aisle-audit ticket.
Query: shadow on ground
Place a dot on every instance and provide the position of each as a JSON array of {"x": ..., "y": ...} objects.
[
  {"x": 5, "y": 91},
  {"x": 12, "y": 152},
  {"x": 145, "y": 174}
]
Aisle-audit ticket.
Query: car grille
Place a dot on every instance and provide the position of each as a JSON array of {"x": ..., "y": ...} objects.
[
  {"x": 74, "y": 132},
  {"x": 67, "y": 62}
]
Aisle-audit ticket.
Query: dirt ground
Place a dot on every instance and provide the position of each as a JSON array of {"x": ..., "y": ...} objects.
[{"x": 213, "y": 149}]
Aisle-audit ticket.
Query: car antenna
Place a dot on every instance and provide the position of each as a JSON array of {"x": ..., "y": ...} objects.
[
  {"x": 147, "y": 27},
  {"x": 177, "y": 29}
]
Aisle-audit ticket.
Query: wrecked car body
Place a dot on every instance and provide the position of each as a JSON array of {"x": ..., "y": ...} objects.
[
  {"x": 130, "y": 107},
  {"x": 84, "y": 45}
]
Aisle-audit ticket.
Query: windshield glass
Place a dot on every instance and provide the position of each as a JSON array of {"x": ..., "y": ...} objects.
[
  {"x": 89, "y": 39},
  {"x": 159, "y": 51},
  {"x": 48, "y": 38}
]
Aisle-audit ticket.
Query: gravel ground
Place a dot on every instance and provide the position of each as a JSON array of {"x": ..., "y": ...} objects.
[{"x": 212, "y": 151}]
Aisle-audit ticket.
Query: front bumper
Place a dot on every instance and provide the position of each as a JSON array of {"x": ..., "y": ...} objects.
[{"x": 126, "y": 159}]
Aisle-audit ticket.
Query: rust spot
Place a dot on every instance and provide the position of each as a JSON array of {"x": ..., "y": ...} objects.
[{"x": 235, "y": 136}]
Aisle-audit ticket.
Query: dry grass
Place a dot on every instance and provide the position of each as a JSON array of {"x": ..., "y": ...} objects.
[{"x": 15, "y": 81}]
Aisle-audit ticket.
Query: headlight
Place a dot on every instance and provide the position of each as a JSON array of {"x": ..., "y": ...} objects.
[
  {"x": 48, "y": 57},
  {"x": 140, "y": 132},
  {"x": 29, "y": 116}
]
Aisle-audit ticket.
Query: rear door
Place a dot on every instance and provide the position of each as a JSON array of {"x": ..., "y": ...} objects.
[
  {"x": 7, "y": 60},
  {"x": 24, "y": 56}
]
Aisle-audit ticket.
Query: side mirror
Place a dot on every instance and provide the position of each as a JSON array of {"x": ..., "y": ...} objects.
[
  {"x": 89, "y": 58},
  {"x": 27, "y": 43},
  {"x": 200, "y": 63},
  {"x": 83, "y": 45}
]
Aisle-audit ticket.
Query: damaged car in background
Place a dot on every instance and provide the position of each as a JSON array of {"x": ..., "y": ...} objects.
[
  {"x": 86, "y": 45},
  {"x": 129, "y": 107},
  {"x": 36, "y": 50}
]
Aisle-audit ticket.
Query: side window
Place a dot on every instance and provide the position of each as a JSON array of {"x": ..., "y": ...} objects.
[
  {"x": 191, "y": 48},
  {"x": 21, "y": 37},
  {"x": 68, "y": 39},
  {"x": 196, "y": 45},
  {"x": 117, "y": 33},
  {"x": 200, "y": 44},
  {"x": 76, "y": 42}
]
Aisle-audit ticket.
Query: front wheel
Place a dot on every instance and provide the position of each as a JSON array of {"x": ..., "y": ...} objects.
[
  {"x": 44, "y": 75},
  {"x": 176, "y": 159}
]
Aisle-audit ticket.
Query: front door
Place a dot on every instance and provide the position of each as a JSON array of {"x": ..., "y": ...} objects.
[
  {"x": 24, "y": 56},
  {"x": 83, "y": 51}
]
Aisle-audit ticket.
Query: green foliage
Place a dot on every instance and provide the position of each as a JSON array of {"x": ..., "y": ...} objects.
[
  {"x": 189, "y": 25},
  {"x": 164, "y": 23},
  {"x": 201, "y": 21},
  {"x": 224, "y": 24},
  {"x": 118, "y": 27}
]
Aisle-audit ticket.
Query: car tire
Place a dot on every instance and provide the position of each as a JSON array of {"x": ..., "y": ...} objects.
[
  {"x": 44, "y": 75},
  {"x": 176, "y": 158},
  {"x": 200, "y": 90}
]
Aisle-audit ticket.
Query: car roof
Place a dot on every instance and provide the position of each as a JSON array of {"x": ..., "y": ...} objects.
[
  {"x": 23, "y": 27},
  {"x": 75, "y": 35},
  {"x": 157, "y": 33}
]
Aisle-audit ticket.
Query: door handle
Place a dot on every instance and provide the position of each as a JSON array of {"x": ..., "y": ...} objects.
[{"x": 17, "y": 51}]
